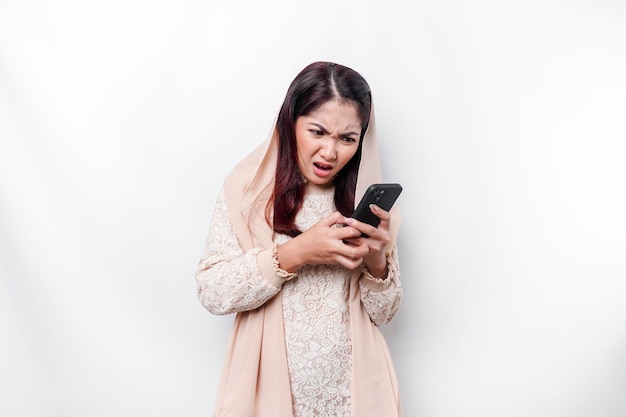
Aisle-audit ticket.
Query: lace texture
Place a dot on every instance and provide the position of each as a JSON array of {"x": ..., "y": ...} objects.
[
  {"x": 382, "y": 304},
  {"x": 317, "y": 331},
  {"x": 228, "y": 279},
  {"x": 315, "y": 310}
]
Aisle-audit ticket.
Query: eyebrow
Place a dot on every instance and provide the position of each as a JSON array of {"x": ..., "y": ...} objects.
[{"x": 323, "y": 129}]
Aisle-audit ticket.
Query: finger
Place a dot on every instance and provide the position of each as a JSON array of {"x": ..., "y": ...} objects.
[
  {"x": 347, "y": 232},
  {"x": 350, "y": 263},
  {"x": 355, "y": 241},
  {"x": 354, "y": 251},
  {"x": 383, "y": 215},
  {"x": 335, "y": 218},
  {"x": 363, "y": 228}
]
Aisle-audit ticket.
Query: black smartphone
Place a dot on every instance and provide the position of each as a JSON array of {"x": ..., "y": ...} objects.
[{"x": 383, "y": 195}]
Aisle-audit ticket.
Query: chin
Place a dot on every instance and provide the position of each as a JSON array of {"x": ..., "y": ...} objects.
[
  {"x": 320, "y": 182},
  {"x": 326, "y": 184}
]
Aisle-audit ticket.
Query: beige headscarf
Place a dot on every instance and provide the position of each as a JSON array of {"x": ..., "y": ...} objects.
[{"x": 255, "y": 378}]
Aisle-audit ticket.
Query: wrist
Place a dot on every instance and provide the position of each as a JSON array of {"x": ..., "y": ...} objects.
[
  {"x": 278, "y": 268},
  {"x": 377, "y": 268},
  {"x": 288, "y": 256},
  {"x": 379, "y": 272}
]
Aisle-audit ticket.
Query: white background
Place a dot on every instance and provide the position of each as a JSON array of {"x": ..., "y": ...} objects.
[{"x": 503, "y": 120}]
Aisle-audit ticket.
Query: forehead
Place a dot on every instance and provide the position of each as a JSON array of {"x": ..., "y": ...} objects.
[{"x": 339, "y": 114}]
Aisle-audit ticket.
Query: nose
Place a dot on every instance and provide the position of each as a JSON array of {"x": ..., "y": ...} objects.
[{"x": 329, "y": 149}]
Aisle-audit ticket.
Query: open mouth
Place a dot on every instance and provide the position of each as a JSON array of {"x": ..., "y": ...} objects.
[
  {"x": 324, "y": 167},
  {"x": 322, "y": 170}
]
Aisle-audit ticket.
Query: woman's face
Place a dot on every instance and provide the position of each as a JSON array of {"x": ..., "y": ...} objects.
[{"x": 327, "y": 139}]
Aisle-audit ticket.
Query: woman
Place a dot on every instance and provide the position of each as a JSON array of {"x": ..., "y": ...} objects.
[{"x": 285, "y": 256}]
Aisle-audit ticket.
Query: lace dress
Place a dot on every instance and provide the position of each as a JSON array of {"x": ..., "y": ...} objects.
[
  {"x": 317, "y": 328},
  {"x": 315, "y": 308}
]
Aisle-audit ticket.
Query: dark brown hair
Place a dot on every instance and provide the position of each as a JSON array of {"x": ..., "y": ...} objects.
[{"x": 315, "y": 85}]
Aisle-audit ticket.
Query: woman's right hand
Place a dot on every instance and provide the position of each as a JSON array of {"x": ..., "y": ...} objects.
[{"x": 323, "y": 243}]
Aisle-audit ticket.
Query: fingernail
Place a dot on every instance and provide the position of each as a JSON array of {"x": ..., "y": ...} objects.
[{"x": 349, "y": 220}]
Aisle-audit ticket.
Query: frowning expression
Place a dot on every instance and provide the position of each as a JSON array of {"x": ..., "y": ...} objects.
[{"x": 327, "y": 139}]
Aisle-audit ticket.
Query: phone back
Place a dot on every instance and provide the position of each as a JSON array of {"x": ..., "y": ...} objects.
[{"x": 383, "y": 195}]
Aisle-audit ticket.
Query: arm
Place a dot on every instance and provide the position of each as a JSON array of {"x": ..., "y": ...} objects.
[
  {"x": 382, "y": 297},
  {"x": 228, "y": 279}
]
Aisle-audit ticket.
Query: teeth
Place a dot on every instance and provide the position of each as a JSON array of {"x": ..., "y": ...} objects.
[{"x": 322, "y": 166}]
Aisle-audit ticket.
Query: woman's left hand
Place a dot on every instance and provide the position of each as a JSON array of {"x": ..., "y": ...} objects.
[{"x": 379, "y": 238}]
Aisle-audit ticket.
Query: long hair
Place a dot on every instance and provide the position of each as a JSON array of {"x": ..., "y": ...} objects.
[{"x": 315, "y": 85}]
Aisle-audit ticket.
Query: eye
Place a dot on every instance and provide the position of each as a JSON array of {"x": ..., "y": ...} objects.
[
  {"x": 316, "y": 132},
  {"x": 348, "y": 139}
]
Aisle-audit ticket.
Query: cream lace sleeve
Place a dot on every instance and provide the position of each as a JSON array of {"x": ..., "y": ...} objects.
[
  {"x": 382, "y": 298},
  {"x": 228, "y": 279}
]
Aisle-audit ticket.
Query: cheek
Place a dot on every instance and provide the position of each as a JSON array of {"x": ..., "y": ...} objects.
[
  {"x": 303, "y": 152},
  {"x": 345, "y": 155},
  {"x": 304, "y": 148}
]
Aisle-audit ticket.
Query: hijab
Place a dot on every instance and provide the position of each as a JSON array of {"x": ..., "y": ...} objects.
[{"x": 255, "y": 378}]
